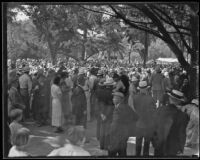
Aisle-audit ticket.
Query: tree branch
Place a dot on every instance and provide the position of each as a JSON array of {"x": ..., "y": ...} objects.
[
  {"x": 134, "y": 25},
  {"x": 175, "y": 26},
  {"x": 97, "y": 11}
]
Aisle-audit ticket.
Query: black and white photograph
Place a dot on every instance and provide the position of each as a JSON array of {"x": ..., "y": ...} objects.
[{"x": 100, "y": 80}]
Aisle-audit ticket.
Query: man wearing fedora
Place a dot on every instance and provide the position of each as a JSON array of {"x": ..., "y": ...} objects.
[
  {"x": 170, "y": 127},
  {"x": 122, "y": 124},
  {"x": 25, "y": 90},
  {"x": 145, "y": 108}
]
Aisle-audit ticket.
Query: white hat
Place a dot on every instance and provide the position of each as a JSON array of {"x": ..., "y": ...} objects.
[
  {"x": 195, "y": 101},
  {"x": 109, "y": 81},
  {"x": 119, "y": 94},
  {"x": 177, "y": 95},
  {"x": 143, "y": 85},
  {"x": 134, "y": 79},
  {"x": 166, "y": 74},
  {"x": 81, "y": 70}
]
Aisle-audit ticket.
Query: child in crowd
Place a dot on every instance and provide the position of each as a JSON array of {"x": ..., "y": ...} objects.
[
  {"x": 16, "y": 117},
  {"x": 73, "y": 146},
  {"x": 19, "y": 144}
]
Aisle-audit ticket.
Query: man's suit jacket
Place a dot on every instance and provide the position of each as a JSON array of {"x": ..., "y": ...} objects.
[
  {"x": 145, "y": 108},
  {"x": 170, "y": 131},
  {"x": 122, "y": 126}
]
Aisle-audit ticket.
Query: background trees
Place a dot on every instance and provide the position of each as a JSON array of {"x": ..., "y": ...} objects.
[{"x": 80, "y": 31}]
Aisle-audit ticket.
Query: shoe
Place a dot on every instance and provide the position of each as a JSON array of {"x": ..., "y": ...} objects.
[{"x": 58, "y": 130}]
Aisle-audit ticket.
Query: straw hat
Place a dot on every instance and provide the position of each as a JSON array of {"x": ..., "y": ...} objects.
[
  {"x": 100, "y": 72},
  {"x": 109, "y": 81},
  {"x": 143, "y": 85},
  {"x": 81, "y": 70},
  {"x": 195, "y": 101},
  {"x": 176, "y": 95},
  {"x": 119, "y": 94}
]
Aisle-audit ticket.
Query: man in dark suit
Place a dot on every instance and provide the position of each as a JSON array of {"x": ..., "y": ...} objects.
[
  {"x": 123, "y": 121},
  {"x": 171, "y": 123},
  {"x": 145, "y": 108}
]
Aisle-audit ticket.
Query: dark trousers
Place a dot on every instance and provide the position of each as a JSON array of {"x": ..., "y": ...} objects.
[
  {"x": 139, "y": 146},
  {"x": 93, "y": 105},
  {"x": 119, "y": 152},
  {"x": 98, "y": 127},
  {"x": 25, "y": 97},
  {"x": 81, "y": 120}
]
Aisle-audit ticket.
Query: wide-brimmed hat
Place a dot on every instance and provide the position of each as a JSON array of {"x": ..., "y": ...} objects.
[
  {"x": 176, "y": 95},
  {"x": 195, "y": 101},
  {"x": 82, "y": 70},
  {"x": 109, "y": 81},
  {"x": 143, "y": 85},
  {"x": 119, "y": 94},
  {"x": 100, "y": 72}
]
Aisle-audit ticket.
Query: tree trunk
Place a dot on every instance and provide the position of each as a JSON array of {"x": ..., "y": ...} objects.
[
  {"x": 145, "y": 49},
  {"x": 83, "y": 56},
  {"x": 129, "y": 57}
]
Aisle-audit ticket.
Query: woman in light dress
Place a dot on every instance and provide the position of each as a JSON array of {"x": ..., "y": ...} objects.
[{"x": 56, "y": 93}]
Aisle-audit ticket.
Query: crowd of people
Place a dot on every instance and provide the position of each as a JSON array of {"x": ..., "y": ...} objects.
[{"x": 153, "y": 104}]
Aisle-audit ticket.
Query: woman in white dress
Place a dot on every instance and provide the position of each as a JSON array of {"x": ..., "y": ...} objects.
[{"x": 56, "y": 93}]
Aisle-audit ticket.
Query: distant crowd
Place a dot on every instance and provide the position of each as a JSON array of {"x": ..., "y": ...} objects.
[{"x": 153, "y": 104}]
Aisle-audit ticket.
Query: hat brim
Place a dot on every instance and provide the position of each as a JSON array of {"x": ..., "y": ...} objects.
[
  {"x": 143, "y": 87},
  {"x": 114, "y": 94},
  {"x": 180, "y": 99},
  {"x": 109, "y": 83}
]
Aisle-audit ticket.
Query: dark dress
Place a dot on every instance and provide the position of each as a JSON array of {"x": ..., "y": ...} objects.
[
  {"x": 40, "y": 98},
  {"x": 79, "y": 106},
  {"x": 107, "y": 110}
]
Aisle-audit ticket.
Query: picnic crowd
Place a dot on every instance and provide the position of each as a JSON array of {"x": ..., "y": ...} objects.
[{"x": 153, "y": 104}]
